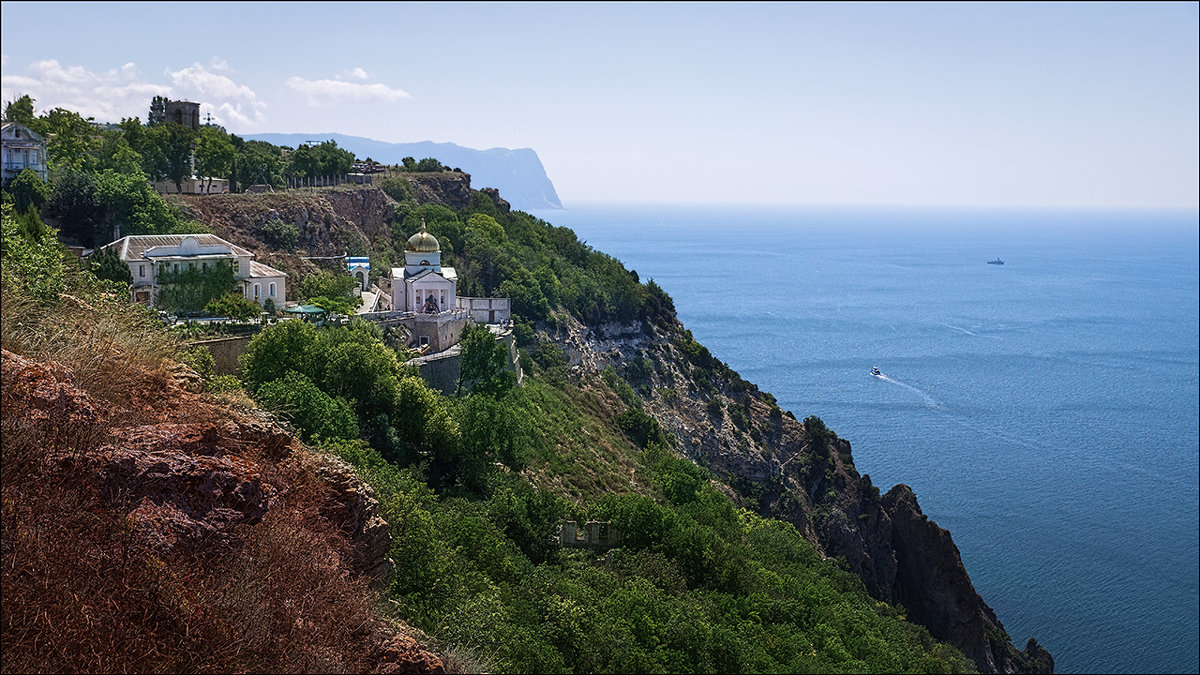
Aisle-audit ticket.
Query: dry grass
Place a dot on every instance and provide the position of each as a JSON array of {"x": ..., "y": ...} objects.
[
  {"x": 102, "y": 341},
  {"x": 83, "y": 590}
]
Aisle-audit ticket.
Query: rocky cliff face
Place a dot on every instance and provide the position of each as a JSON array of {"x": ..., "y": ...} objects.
[
  {"x": 778, "y": 467},
  {"x": 166, "y": 530},
  {"x": 330, "y": 221}
]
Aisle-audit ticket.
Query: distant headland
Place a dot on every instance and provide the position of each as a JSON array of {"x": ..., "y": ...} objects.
[{"x": 518, "y": 174}]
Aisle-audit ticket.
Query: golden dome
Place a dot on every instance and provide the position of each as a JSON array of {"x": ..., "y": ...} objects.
[{"x": 423, "y": 242}]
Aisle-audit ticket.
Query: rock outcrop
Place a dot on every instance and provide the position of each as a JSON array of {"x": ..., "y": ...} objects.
[
  {"x": 780, "y": 468},
  {"x": 451, "y": 189},
  {"x": 127, "y": 517}
]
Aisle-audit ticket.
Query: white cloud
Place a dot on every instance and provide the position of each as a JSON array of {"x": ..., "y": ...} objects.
[
  {"x": 233, "y": 102},
  {"x": 355, "y": 74},
  {"x": 121, "y": 92},
  {"x": 327, "y": 92}
]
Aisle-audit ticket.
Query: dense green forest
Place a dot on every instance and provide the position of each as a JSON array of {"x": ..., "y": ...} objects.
[{"x": 475, "y": 485}]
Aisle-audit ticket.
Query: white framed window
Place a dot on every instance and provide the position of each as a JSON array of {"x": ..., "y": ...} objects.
[
  {"x": 141, "y": 270},
  {"x": 271, "y": 290},
  {"x": 257, "y": 289}
]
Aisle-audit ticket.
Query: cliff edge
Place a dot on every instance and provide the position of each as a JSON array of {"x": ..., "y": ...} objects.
[{"x": 802, "y": 473}]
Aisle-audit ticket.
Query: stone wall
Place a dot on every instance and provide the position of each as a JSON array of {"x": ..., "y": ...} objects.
[
  {"x": 441, "y": 333},
  {"x": 486, "y": 310},
  {"x": 225, "y": 352},
  {"x": 440, "y": 371}
]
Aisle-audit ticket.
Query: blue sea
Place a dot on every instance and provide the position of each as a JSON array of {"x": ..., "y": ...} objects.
[{"x": 1044, "y": 410}]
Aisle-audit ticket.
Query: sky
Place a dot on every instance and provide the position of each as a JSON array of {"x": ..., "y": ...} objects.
[{"x": 1024, "y": 104}]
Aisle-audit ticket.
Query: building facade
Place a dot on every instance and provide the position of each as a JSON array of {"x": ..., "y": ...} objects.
[
  {"x": 360, "y": 269},
  {"x": 152, "y": 258},
  {"x": 23, "y": 149},
  {"x": 186, "y": 113}
]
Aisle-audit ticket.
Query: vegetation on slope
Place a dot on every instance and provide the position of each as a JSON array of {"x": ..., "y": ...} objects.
[
  {"x": 475, "y": 487},
  {"x": 106, "y": 570}
]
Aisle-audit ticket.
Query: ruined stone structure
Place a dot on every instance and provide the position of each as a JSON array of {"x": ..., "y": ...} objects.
[
  {"x": 186, "y": 113},
  {"x": 595, "y": 535}
]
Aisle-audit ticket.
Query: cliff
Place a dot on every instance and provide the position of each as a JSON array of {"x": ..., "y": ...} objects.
[
  {"x": 779, "y": 467},
  {"x": 149, "y": 528},
  {"x": 762, "y": 457}
]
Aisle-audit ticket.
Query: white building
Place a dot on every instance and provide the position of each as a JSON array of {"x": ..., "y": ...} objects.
[
  {"x": 149, "y": 256},
  {"x": 422, "y": 285},
  {"x": 23, "y": 149},
  {"x": 427, "y": 295},
  {"x": 360, "y": 269}
]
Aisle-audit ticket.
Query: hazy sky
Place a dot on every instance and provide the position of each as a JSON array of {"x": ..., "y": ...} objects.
[{"x": 1068, "y": 104}]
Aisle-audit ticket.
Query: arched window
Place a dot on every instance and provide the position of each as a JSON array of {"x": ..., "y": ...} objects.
[
  {"x": 257, "y": 288},
  {"x": 271, "y": 290}
]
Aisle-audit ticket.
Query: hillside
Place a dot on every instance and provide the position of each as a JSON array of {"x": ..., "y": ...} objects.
[
  {"x": 518, "y": 174},
  {"x": 608, "y": 354},
  {"x": 150, "y": 527}
]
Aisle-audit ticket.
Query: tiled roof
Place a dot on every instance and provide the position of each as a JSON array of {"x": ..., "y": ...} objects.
[{"x": 134, "y": 247}]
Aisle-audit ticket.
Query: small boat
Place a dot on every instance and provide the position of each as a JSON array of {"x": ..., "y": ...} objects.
[
  {"x": 875, "y": 371},
  {"x": 997, "y": 261}
]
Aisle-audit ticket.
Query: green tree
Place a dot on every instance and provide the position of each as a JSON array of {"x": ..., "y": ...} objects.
[
  {"x": 429, "y": 164},
  {"x": 328, "y": 285},
  {"x": 71, "y": 140},
  {"x": 214, "y": 154},
  {"x": 76, "y": 204},
  {"x": 281, "y": 235},
  {"x": 260, "y": 163},
  {"x": 30, "y": 264},
  {"x": 107, "y": 264},
  {"x": 397, "y": 187},
  {"x": 170, "y": 151},
  {"x": 409, "y": 164},
  {"x": 233, "y": 305},
  {"x": 117, "y": 154},
  {"x": 333, "y": 305},
  {"x": 190, "y": 289},
  {"x": 320, "y": 161},
  {"x": 316, "y": 414},
  {"x": 20, "y": 110},
  {"x": 28, "y": 191},
  {"x": 288, "y": 346},
  {"x": 483, "y": 363}
]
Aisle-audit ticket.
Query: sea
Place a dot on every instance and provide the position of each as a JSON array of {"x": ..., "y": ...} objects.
[{"x": 1045, "y": 411}]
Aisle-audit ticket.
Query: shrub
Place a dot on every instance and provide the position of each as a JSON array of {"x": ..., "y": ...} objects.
[
  {"x": 107, "y": 264},
  {"x": 328, "y": 285},
  {"x": 641, "y": 428},
  {"x": 315, "y": 413},
  {"x": 280, "y": 234},
  {"x": 233, "y": 305}
]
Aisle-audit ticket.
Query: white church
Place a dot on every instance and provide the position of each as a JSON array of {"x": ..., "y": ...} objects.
[{"x": 428, "y": 292}]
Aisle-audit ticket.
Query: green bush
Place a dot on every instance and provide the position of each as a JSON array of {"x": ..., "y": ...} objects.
[
  {"x": 281, "y": 235},
  {"x": 233, "y": 305},
  {"x": 312, "y": 411},
  {"x": 641, "y": 428}
]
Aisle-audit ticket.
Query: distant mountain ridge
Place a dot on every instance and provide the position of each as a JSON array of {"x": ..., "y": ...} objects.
[{"x": 518, "y": 174}]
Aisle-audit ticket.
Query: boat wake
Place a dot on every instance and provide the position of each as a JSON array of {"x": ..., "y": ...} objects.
[
  {"x": 929, "y": 400},
  {"x": 964, "y": 330}
]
